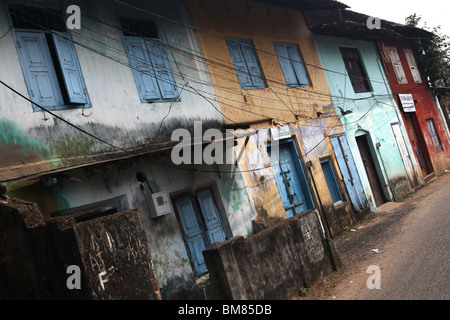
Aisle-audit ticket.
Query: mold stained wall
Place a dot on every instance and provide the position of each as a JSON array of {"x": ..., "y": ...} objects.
[
  {"x": 117, "y": 182},
  {"x": 372, "y": 113},
  {"x": 264, "y": 25},
  {"x": 35, "y": 142}
]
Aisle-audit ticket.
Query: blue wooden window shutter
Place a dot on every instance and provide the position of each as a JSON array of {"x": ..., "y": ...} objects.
[
  {"x": 151, "y": 69},
  {"x": 292, "y": 65},
  {"x": 245, "y": 64},
  {"x": 39, "y": 72},
  {"x": 142, "y": 69},
  {"x": 163, "y": 72},
  {"x": 73, "y": 78}
]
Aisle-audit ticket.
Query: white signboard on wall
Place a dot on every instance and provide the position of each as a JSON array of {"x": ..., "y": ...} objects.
[
  {"x": 280, "y": 133},
  {"x": 407, "y": 102}
]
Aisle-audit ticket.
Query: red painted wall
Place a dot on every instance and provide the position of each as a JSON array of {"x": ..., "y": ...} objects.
[{"x": 424, "y": 102}]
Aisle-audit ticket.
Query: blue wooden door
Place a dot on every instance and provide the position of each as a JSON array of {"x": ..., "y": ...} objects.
[
  {"x": 349, "y": 173},
  {"x": 214, "y": 230},
  {"x": 291, "y": 180},
  {"x": 201, "y": 226},
  {"x": 193, "y": 234}
]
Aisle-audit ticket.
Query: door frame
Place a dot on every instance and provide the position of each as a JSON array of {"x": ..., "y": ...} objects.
[
  {"x": 300, "y": 171},
  {"x": 200, "y": 220},
  {"x": 373, "y": 163},
  {"x": 349, "y": 173},
  {"x": 411, "y": 118},
  {"x": 415, "y": 181}
]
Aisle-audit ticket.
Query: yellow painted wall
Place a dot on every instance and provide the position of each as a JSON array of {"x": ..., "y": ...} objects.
[
  {"x": 263, "y": 24},
  {"x": 217, "y": 20}
]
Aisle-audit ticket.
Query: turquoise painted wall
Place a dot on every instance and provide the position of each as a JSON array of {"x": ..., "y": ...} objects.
[{"x": 372, "y": 113}]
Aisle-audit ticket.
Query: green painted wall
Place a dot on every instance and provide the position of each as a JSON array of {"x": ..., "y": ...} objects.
[{"x": 372, "y": 113}]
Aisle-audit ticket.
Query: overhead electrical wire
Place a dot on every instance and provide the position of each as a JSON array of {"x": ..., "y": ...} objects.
[
  {"x": 196, "y": 91},
  {"x": 230, "y": 67},
  {"x": 227, "y": 98}
]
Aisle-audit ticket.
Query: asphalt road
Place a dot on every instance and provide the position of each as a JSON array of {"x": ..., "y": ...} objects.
[{"x": 412, "y": 251}]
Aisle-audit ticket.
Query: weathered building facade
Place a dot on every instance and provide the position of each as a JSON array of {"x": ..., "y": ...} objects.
[
  {"x": 426, "y": 130},
  {"x": 91, "y": 121},
  {"x": 373, "y": 124},
  {"x": 97, "y": 138},
  {"x": 268, "y": 79}
]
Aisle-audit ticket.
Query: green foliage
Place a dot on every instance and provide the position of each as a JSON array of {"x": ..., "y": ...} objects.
[{"x": 434, "y": 56}]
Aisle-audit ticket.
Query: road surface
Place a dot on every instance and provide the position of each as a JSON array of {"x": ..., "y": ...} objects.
[{"x": 409, "y": 244}]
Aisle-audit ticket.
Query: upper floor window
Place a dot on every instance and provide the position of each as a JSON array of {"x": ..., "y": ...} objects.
[
  {"x": 397, "y": 65},
  {"x": 246, "y": 64},
  {"x": 48, "y": 58},
  {"x": 355, "y": 69},
  {"x": 413, "y": 66},
  {"x": 148, "y": 60},
  {"x": 292, "y": 65}
]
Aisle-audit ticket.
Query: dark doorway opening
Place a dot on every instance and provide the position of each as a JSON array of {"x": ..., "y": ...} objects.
[{"x": 371, "y": 170}]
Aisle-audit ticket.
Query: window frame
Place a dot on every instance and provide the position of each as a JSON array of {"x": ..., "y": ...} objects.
[
  {"x": 434, "y": 137},
  {"x": 294, "y": 70},
  {"x": 412, "y": 63},
  {"x": 398, "y": 66},
  {"x": 150, "y": 72},
  {"x": 241, "y": 43},
  {"x": 200, "y": 218},
  {"x": 54, "y": 56},
  {"x": 363, "y": 78},
  {"x": 334, "y": 188}
]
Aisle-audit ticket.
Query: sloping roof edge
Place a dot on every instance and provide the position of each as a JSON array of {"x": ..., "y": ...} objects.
[
  {"x": 354, "y": 24},
  {"x": 307, "y": 4}
]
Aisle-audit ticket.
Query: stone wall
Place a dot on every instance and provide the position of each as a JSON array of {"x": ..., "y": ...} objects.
[
  {"x": 111, "y": 254},
  {"x": 272, "y": 264}
]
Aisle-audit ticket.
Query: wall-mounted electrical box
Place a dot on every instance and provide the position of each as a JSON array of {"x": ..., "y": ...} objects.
[{"x": 159, "y": 204}]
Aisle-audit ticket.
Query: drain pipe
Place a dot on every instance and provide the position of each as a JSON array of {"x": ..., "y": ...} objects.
[
  {"x": 309, "y": 165},
  {"x": 330, "y": 246}
]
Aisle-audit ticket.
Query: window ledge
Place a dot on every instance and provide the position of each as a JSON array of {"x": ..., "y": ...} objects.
[{"x": 62, "y": 107}]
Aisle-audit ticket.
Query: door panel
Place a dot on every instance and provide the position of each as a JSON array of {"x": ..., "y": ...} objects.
[
  {"x": 405, "y": 155},
  {"x": 291, "y": 181},
  {"x": 211, "y": 217},
  {"x": 349, "y": 172},
  {"x": 421, "y": 152},
  {"x": 369, "y": 167},
  {"x": 192, "y": 233}
]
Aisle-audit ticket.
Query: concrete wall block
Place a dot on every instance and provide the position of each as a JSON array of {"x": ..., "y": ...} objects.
[
  {"x": 112, "y": 254},
  {"x": 272, "y": 264}
]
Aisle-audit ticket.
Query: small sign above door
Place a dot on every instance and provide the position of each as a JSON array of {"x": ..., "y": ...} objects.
[
  {"x": 407, "y": 102},
  {"x": 279, "y": 133}
]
